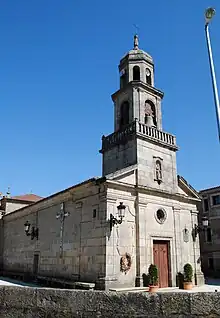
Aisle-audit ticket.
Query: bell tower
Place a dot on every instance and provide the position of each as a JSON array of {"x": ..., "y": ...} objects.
[
  {"x": 138, "y": 140},
  {"x": 137, "y": 96}
]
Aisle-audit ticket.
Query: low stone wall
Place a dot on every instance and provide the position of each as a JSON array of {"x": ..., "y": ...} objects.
[{"x": 19, "y": 302}]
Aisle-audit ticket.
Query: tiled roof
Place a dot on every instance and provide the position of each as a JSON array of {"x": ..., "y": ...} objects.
[{"x": 28, "y": 197}]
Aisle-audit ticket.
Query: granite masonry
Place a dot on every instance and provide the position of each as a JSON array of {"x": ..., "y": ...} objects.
[
  {"x": 108, "y": 230},
  {"x": 30, "y": 302}
]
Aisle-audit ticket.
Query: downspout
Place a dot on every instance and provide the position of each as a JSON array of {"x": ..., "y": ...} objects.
[
  {"x": 137, "y": 231},
  {"x": 194, "y": 248},
  {"x": 175, "y": 236}
]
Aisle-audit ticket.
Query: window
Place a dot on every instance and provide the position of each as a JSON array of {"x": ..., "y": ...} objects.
[
  {"x": 211, "y": 263},
  {"x": 136, "y": 73},
  {"x": 161, "y": 216},
  {"x": 94, "y": 213},
  {"x": 124, "y": 114},
  {"x": 158, "y": 171},
  {"x": 208, "y": 235},
  {"x": 216, "y": 199},
  {"x": 148, "y": 76},
  {"x": 206, "y": 204}
]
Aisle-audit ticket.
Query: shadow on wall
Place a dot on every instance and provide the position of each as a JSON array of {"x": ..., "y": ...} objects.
[
  {"x": 180, "y": 280},
  {"x": 146, "y": 280}
]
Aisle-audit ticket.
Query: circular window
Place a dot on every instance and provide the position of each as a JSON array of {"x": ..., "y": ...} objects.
[{"x": 161, "y": 216}]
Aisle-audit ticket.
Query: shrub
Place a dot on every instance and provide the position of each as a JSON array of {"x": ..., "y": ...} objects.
[
  {"x": 188, "y": 273},
  {"x": 153, "y": 275}
]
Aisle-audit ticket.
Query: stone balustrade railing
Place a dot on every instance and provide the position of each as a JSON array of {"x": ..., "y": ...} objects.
[
  {"x": 156, "y": 134},
  {"x": 140, "y": 129}
]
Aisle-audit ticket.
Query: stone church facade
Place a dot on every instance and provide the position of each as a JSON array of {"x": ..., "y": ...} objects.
[{"x": 109, "y": 230}]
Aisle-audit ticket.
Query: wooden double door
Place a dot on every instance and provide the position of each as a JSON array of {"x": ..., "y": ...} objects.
[{"x": 161, "y": 259}]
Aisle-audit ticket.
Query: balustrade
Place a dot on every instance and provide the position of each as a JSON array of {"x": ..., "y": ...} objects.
[{"x": 142, "y": 129}]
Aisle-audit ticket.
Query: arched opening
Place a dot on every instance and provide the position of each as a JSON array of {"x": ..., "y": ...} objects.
[
  {"x": 150, "y": 110},
  {"x": 148, "y": 77},
  {"x": 136, "y": 73},
  {"x": 124, "y": 114},
  {"x": 123, "y": 78}
]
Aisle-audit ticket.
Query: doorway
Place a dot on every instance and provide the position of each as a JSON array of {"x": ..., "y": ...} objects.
[{"x": 161, "y": 259}]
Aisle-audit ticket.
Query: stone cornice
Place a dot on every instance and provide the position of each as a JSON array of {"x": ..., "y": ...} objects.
[
  {"x": 151, "y": 191},
  {"x": 141, "y": 85}
]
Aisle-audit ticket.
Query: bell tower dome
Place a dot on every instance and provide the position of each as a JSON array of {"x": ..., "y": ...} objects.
[{"x": 138, "y": 140}]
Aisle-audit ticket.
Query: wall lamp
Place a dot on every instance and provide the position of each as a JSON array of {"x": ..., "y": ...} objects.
[
  {"x": 197, "y": 229},
  {"x": 33, "y": 232},
  {"x": 121, "y": 214}
]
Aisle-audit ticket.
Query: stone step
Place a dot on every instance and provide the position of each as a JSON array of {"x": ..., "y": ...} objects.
[
  {"x": 129, "y": 289},
  {"x": 83, "y": 285}
]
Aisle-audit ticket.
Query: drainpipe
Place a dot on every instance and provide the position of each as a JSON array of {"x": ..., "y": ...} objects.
[{"x": 194, "y": 248}]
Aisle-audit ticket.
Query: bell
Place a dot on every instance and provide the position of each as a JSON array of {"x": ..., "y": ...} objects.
[{"x": 149, "y": 121}]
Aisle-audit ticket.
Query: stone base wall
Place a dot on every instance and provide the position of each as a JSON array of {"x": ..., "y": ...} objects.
[{"x": 41, "y": 302}]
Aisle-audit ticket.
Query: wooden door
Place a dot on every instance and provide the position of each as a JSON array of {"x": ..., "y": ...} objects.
[{"x": 160, "y": 250}]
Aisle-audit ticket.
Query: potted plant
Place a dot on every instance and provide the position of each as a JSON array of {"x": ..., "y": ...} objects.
[
  {"x": 188, "y": 276},
  {"x": 153, "y": 278}
]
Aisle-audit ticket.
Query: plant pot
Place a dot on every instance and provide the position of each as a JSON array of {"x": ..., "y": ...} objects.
[
  {"x": 187, "y": 285},
  {"x": 153, "y": 289}
]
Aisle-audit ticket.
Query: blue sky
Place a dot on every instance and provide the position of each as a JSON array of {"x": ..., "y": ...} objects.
[{"x": 58, "y": 69}]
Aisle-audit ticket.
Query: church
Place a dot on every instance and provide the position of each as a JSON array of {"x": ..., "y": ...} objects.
[{"x": 108, "y": 230}]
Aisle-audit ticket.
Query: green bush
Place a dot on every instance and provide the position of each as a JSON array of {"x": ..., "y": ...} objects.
[
  {"x": 188, "y": 273},
  {"x": 153, "y": 275}
]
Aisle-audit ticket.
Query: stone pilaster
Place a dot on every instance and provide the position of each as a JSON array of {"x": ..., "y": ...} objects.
[{"x": 198, "y": 275}]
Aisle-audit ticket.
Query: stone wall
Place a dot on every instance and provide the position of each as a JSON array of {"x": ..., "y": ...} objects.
[
  {"x": 210, "y": 250},
  {"x": 180, "y": 216},
  {"x": 119, "y": 157},
  {"x": 81, "y": 253},
  {"x": 41, "y": 302},
  {"x": 147, "y": 154},
  {"x": 12, "y": 206}
]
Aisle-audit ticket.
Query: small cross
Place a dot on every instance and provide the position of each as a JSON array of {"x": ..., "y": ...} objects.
[
  {"x": 136, "y": 28},
  {"x": 62, "y": 215}
]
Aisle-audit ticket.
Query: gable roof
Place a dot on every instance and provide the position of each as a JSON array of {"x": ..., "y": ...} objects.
[
  {"x": 187, "y": 188},
  {"x": 28, "y": 197}
]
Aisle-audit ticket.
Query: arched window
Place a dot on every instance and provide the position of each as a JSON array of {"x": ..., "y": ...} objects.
[
  {"x": 136, "y": 73},
  {"x": 150, "y": 110},
  {"x": 158, "y": 171},
  {"x": 148, "y": 76},
  {"x": 124, "y": 114}
]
